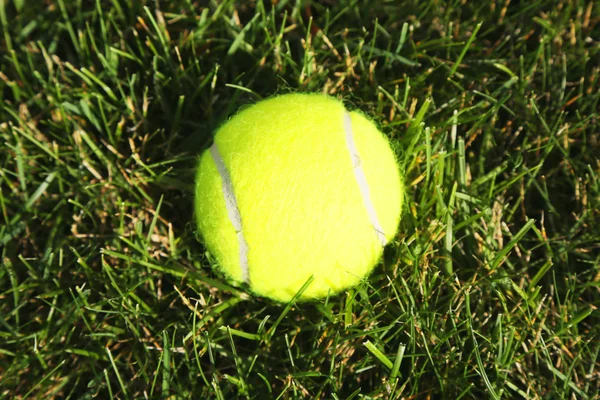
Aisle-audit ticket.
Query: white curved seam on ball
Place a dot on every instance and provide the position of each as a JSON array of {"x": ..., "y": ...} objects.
[
  {"x": 232, "y": 210},
  {"x": 361, "y": 179}
]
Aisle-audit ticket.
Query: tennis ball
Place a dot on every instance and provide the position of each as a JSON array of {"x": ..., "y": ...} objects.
[{"x": 297, "y": 186}]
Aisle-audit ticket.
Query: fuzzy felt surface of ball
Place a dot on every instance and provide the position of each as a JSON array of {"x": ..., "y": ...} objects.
[{"x": 296, "y": 188}]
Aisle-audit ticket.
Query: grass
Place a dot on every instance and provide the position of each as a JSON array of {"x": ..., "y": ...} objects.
[{"x": 490, "y": 290}]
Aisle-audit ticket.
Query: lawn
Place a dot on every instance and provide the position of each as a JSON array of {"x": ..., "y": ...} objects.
[{"x": 490, "y": 289}]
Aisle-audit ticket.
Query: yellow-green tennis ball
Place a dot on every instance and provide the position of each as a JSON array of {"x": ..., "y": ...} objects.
[{"x": 297, "y": 186}]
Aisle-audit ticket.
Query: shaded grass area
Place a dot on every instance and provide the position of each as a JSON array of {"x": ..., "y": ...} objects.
[{"x": 490, "y": 289}]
